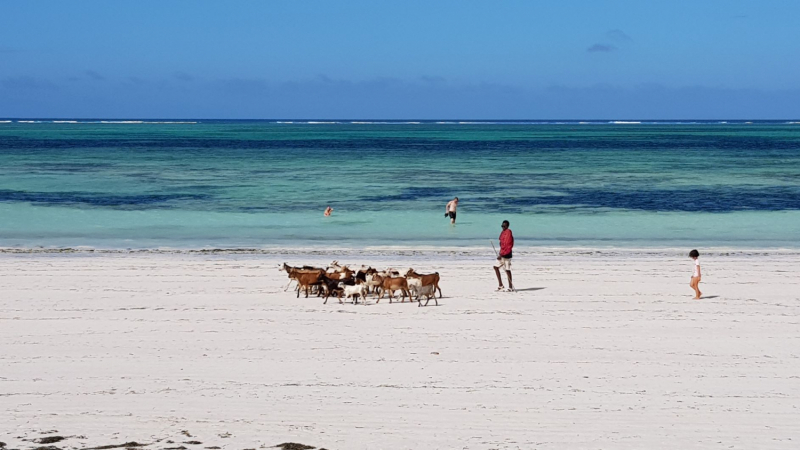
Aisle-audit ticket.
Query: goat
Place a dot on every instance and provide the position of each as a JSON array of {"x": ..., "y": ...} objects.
[
  {"x": 331, "y": 287},
  {"x": 354, "y": 291},
  {"x": 306, "y": 280},
  {"x": 363, "y": 272},
  {"x": 389, "y": 273},
  {"x": 429, "y": 279},
  {"x": 427, "y": 291},
  {"x": 414, "y": 284},
  {"x": 336, "y": 267},
  {"x": 293, "y": 272},
  {"x": 394, "y": 284},
  {"x": 364, "y": 269},
  {"x": 373, "y": 281}
]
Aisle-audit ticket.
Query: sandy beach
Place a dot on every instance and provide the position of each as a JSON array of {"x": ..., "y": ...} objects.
[{"x": 596, "y": 350}]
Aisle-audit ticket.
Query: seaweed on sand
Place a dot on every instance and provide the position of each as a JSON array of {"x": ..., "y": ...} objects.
[
  {"x": 125, "y": 445},
  {"x": 49, "y": 440},
  {"x": 294, "y": 446}
]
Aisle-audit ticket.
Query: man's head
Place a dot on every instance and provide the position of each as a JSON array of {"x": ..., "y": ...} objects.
[
  {"x": 455, "y": 199},
  {"x": 505, "y": 224}
]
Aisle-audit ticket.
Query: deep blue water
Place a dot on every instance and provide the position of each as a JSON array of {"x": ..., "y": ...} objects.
[{"x": 261, "y": 183}]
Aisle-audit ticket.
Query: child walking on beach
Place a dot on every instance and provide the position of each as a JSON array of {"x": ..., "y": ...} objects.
[{"x": 694, "y": 254}]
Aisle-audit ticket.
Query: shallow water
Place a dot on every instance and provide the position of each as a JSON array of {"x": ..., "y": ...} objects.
[{"x": 257, "y": 184}]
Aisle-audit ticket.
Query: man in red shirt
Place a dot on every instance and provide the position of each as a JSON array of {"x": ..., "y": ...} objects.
[{"x": 504, "y": 258}]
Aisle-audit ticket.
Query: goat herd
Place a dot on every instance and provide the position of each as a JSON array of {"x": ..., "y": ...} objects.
[{"x": 344, "y": 282}]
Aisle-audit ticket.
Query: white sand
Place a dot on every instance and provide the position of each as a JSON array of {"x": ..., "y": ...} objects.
[{"x": 610, "y": 351}]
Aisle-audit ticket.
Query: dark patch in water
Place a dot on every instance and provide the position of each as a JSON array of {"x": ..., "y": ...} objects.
[
  {"x": 722, "y": 199},
  {"x": 412, "y": 194},
  {"x": 726, "y": 199},
  {"x": 590, "y": 142},
  {"x": 700, "y": 199},
  {"x": 95, "y": 199}
]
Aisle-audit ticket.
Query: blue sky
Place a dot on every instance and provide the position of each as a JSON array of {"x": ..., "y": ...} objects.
[{"x": 394, "y": 60}]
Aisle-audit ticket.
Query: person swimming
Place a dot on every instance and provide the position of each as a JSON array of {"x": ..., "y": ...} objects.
[{"x": 328, "y": 211}]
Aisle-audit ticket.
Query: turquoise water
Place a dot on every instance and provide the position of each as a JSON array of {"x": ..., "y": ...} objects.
[{"x": 260, "y": 184}]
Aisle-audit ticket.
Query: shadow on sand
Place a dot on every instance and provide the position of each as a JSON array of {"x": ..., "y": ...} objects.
[
  {"x": 529, "y": 289},
  {"x": 709, "y": 296}
]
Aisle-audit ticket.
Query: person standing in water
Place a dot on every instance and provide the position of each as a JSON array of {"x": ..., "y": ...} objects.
[
  {"x": 695, "y": 281},
  {"x": 504, "y": 258},
  {"x": 450, "y": 210},
  {"x": 328, "y": 211}
]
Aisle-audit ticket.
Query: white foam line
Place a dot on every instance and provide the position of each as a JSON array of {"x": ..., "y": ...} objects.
[
  {"x": 137, "y": 122},
  {"x": 168, "y": 122},
  {"x": 410, "y": 251}
]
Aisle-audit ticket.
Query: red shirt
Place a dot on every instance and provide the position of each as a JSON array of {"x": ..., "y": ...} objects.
[{"x": 506, "y": 242}]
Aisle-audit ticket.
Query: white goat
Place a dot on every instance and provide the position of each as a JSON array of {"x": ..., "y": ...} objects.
[
  {"x": 354, "y": 291},
  {"x": 373, "y": 281}
]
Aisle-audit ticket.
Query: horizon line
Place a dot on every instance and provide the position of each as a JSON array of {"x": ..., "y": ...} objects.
[{"x": 346, "y": 119}]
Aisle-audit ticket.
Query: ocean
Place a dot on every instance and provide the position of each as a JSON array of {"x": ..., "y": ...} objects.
[{"x": 198, "y": 184}]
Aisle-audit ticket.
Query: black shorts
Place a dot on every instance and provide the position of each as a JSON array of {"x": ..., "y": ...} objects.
[{"x": 451, "y": 215}]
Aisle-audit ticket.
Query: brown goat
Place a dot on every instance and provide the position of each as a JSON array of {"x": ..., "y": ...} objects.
[
  {"x": 429, "y": 279},
  {"x": 295, "y": 272},
  {"x": 307, "y": 279},
  {"x": 341, "y": 275},
  {"x": 394, "y": 284}
]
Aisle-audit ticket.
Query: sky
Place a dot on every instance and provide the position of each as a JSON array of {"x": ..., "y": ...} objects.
[{"x": 567, "y": 59}]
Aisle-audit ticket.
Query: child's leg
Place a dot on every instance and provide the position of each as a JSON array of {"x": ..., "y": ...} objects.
[
  {"x": 697, "y": 287},
  {"x": 695, "y": 281}
]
